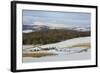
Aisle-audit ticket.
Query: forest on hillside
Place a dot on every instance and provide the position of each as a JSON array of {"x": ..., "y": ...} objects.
[{"x": 52, "y": 36}]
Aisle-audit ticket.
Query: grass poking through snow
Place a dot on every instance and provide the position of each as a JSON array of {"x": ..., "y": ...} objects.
[
  {"x": 37, "y": 54},
  {"x": 85, "y": 45}
]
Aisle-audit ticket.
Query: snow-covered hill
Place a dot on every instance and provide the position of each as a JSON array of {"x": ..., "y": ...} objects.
[
  {"x": 39, "y": 26},
  {"x": 69, "y": 42},
  {"x": 60, "y": 53}
]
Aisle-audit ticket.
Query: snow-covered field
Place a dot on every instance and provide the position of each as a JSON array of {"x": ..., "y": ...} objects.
[
  {"x": 62, "y": 51},
  {"x": 60, "y": 57},
  {"x": 70, "y": 42}
]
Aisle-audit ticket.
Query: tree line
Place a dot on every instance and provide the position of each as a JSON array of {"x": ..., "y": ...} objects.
[{"x": 52, "y": 36}]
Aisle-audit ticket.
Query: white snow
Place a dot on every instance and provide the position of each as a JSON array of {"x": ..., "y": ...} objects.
[
  {"x": 62, "y": 26},
  {"x": 27, "y": 31},
  {"x": 63, "y": 53},
  {"x": 52, "y": 25},
  {"x": 60, "y": 57},
  {"x": 70, "y": 42}
]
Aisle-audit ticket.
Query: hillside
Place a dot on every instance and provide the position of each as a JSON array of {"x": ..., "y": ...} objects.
[
  {"x": 75, "y": 42},
  {"x": 62, "y": 51},
  {"x": 52, "y": 36}
]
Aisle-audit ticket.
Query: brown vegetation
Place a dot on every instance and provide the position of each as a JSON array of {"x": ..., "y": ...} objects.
[
  {"x": 37, "y": 54},
  {"x": 52, "y": 36},
  {"x": 85, "y": 45}
]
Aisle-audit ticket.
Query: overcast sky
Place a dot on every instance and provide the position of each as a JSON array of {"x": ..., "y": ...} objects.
[{"x": 60, "y": 18}]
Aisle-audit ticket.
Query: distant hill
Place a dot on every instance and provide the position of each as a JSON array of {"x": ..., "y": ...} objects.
[{"x": 34, "y": 28}]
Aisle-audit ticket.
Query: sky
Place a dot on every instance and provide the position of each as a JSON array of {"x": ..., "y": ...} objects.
[{"x": 31, "y": 17}]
